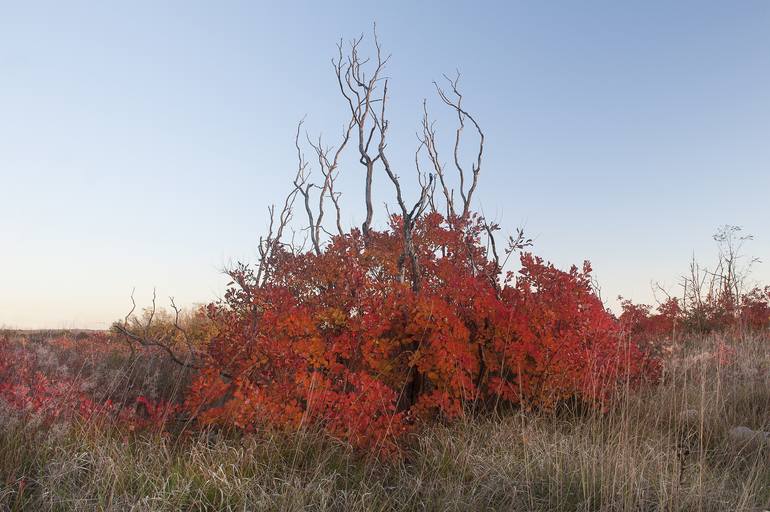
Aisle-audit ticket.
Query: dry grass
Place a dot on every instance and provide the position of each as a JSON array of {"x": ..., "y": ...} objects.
[{"x": 665, "y": 448}]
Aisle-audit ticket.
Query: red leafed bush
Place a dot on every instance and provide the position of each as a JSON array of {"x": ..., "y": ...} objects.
[
  {"x": 656, "y": 330},
  {"x": 755, "y": 309},
  {"x": 640, "y": 322},
  {"x": 37, "y": 384},
  {"x": 564, "y": 344},
  {"x": 339, "y": 339},
  {"x": 653, "y": 332},
  {"x": 370, "y": 333}
]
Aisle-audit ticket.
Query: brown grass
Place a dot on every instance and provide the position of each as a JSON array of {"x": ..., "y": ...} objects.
[{"x": 662, "y": 448}]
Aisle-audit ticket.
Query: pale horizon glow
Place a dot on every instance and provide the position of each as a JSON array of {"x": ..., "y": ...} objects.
[{"x": 141, "y": 143}]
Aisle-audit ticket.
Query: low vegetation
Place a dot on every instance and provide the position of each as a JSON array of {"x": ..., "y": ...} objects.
[{"x": 665, "y": 447}]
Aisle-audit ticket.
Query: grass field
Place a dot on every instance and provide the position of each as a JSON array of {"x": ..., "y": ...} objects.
[{"x": 666, "y": 447}]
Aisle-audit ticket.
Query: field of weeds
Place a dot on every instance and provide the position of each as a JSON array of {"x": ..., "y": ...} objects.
[{"x": 670, "y": 446}]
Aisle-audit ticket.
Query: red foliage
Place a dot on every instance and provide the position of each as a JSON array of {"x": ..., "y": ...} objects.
[
  {"x": 657, "y": 330},
  {"x": 35, "y": 392},
  {"x": 565, "y": 344},
  {"x": 340, "y": 339},
  {"x": 755, "y": 309},
  {"x": 653, "y": 333}
]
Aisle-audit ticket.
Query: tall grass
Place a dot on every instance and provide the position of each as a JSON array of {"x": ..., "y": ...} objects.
[{"x": 665, "y": 447}]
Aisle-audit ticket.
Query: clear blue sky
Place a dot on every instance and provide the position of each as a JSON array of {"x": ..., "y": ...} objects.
[{"x": 140, "y": 142}]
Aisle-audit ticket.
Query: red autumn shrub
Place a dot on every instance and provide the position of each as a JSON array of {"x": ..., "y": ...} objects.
[
  {"x": 565, "y": 344},
  {"x": 652, "y": 332},
  {"x": 640, "y": 322},
  {"x": 52, "y": 380},
  {"x": 755, "y": 309},
  {"x": 655, "y": 331},
  {"x": 369, "y": 333},
  {"x": 713, "y": 300},
  {"x": 339, "y": 339}
]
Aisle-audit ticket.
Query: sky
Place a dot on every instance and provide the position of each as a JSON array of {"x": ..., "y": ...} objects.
[{"x": 141, "y": 142}]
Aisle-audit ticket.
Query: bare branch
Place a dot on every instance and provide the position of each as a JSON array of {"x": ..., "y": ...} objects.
[
  {"x": 329, "y": 170},
  {"x": 455, "y": 102},
  {"x": 150, "y": 342},
  {"x": 360, "y": 93}
]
